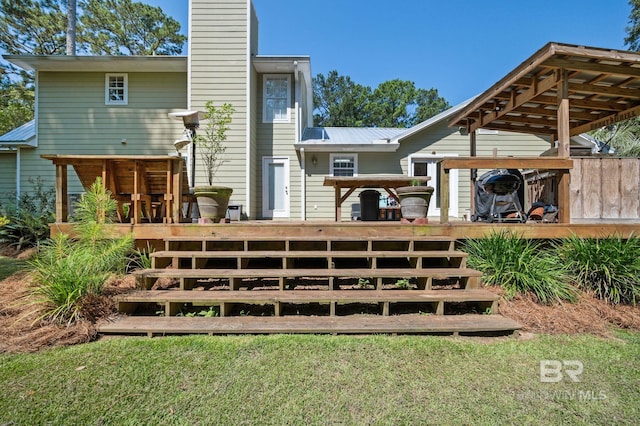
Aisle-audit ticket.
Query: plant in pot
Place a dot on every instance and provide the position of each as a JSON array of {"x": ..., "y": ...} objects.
[
  {"x": 213, "y": 200},
  {"x": 414, "y": 199}
]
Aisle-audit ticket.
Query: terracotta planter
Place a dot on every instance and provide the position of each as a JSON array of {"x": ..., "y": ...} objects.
[
  {"x": 213, "y": 201},
  {"x": 414, "y": 201}
]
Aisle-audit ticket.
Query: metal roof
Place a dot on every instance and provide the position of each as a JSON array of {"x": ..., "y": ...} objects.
[
  {"x": 99, "y": 63},
  {"x": 603, "y": 87},
  {"x": 373, "y": 139},
  {"x": 23, "y": 136}
]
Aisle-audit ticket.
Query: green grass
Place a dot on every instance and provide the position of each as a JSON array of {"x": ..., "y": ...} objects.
[{"x": 319, "y": 380}]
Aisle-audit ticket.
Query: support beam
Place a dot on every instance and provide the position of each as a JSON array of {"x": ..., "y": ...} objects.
[{"x": 564, "y": 141}]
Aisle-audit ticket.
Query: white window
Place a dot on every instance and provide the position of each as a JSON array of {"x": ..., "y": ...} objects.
[
  {"x": 344, "y": 164},
  {"x": 277, "y": 98},
  {"x": 116, "y": 89}
]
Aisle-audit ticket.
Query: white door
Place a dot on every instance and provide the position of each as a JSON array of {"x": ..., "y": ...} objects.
[
  {"x": 427, "y": 165},
  {"x": 275, "y": 187}
]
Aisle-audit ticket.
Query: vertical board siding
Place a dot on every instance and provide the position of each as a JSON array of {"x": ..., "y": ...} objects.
[{"x": 605, "y": 188}]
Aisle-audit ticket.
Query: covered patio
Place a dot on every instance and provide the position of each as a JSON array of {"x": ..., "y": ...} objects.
[{"x": 561, "y": 91}]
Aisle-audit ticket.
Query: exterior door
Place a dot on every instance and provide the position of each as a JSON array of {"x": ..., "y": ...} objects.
[
  {"x": 427, "y": 165},
  {"x": 275, "y": 187}
]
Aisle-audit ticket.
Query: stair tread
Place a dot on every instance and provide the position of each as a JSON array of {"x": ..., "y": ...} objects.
[
  {"x": 309, "y": 253},
  {"x": 306, "y": 272},
  {"x": 352, "y": 324},
  {"x": 251, "y": 296},
  {"x": 307, "y": 238}
]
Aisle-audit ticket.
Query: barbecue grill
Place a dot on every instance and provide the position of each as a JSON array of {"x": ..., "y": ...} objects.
[{"x": 499, "y": 195}]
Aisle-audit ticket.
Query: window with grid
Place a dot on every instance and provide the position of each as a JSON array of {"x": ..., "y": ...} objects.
[
  {"x": 277, "y": 98},
  {"x": 116, "y": 89},
  {"x": 344, "y": 165}
]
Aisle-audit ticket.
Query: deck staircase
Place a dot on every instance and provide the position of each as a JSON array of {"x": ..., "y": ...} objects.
[{"x": 308, "y": 284}]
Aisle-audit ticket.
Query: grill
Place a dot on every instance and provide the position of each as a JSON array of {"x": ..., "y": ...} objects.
[{"x": 499, "y": 197}]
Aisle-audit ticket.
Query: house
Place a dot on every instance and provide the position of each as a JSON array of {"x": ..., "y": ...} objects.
[{"x": 275, "y": 161}]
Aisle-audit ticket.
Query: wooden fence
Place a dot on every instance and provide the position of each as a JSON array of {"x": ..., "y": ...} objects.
[{"x": 601, "y": 188}]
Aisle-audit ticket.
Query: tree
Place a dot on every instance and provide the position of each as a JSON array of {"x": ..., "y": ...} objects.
[
  {"x": 395, "y": 103},
  {"x": 339, "y": 102},
  {"x": 633, "y": 30},
  {"x": 36, "y": 27},
  {"x": 16, "y": 103},
  {"x": 123, "y": 27}
]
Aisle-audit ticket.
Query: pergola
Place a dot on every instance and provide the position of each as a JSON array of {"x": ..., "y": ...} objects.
[{"x": 561, "y": 91}]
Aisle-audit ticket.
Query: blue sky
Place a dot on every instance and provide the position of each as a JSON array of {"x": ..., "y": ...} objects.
[{"x": 460, "y": 47}]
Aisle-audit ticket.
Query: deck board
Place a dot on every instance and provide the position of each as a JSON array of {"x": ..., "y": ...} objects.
[{"x": 353, "y": 324}]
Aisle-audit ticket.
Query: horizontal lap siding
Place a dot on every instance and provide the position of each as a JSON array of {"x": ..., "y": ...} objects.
[
  {"x": 7, "y": 176},
  {"x": 438, "y": 139},
  {"x": 73, "y": 119},
  {"x": 219, "y": 73}
]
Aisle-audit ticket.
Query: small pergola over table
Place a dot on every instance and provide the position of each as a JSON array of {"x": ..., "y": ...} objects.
[
  {"x": 561, "y": 91},
  {"x": 351, "y": 183},
  {"x": 144, "y": 182}
]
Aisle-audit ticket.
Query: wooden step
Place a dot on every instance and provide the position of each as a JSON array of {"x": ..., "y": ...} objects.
[
  {"x": 205, "y": 243},
  {"x": 173, "y": 300},
  {"x": 162, "y": 259},
  {"x": 353, "y": 324},
  {"x": 147, "y": 277}
]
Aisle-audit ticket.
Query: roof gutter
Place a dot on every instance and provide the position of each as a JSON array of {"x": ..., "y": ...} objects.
[{"x": 324, "y": 147}]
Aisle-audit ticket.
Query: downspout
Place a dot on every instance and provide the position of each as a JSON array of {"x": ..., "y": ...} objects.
[{"x": 18, "y": 189}]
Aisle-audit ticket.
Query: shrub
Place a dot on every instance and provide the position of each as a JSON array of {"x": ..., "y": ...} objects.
[
  {"x": 26, "y": 221},
  {"x": 66, "y": 270},
  {"x": 520, "y": 266},
  {"x": 608, "y": 266}
]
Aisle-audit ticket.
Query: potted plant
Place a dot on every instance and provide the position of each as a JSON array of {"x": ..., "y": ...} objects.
[
  {"x": 213, "y": 200},
  {"x": 414, "y": 199}
]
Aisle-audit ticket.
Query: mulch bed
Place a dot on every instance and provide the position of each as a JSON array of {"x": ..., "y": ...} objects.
[{"x": 21, "y": 330}]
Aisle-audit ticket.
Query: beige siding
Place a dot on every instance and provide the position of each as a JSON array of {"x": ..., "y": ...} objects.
[
  {"x": 7, "y": 176},
  {"x": 219, "y": 57},
  {"x": 437, "y": 139},
  {"x": 73, "y": 119}
]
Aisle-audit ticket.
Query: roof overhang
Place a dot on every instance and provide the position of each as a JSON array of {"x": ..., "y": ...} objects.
[
  {"x": 20, "y": 137},
  {"x": 99, "y": 63},
  {"x": 343, "y": 147},
  {"x": 603, "y": 88}
]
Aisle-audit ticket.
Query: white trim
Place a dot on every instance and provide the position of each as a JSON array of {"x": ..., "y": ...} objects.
[
  {"x": 18, "y": 172},
  {"x": 333, "y": 156},
  {"x": 125, "y": 91},
  {"x": 303, "y": 185},
  {"x": 266, "y": 77},
  {"x": 286, "y": 212},
  {"x": 454, "y": 189}
]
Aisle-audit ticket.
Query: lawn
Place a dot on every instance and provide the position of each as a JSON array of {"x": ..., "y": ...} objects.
[{"x": 320, "y": 380}]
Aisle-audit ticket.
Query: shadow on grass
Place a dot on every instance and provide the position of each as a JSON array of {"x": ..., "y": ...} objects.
[{"x": 9, "y": 266}]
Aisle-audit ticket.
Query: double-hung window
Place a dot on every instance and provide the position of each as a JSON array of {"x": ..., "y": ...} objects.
[
  {"x": 344, "y": 164},
  {"x": 277, "y": 98},
  {"x": 116, "y": 89}
]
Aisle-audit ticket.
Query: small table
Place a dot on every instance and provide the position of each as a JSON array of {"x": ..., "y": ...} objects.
[
  {"x": 136, "y": 179},
  {"x": 351, "y": 183}
]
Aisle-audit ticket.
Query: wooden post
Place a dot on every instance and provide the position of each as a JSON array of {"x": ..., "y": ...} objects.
[
  {"x": 61, "y": 193},
  {"x": 473, "y": 172},
  {"x": 338, "y": 204},
  {"x": 564, "y": 140},
  {"x": 444, "y": 193}
]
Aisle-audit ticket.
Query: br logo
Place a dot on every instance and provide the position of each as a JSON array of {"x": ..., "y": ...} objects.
[{"x": 551, "y": 370}]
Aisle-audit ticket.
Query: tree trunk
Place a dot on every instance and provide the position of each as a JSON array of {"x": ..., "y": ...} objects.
[{"x": 71, "y": 27}]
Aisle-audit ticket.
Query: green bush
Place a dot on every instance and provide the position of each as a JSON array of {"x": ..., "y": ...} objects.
[
  {"x": 66, "y": 270},
  {"x": 26, "y": 220},
  {"x": 608, "y": 266},
  {"x": 520, "y": 266}
]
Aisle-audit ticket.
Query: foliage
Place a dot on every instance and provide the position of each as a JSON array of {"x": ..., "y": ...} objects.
[
  {"x": 17, "y": 103},
  {"x": 623, "y": 136},
  {"x": 27, "y": 220},
  {"x": 404, "y": 284},
  {"x": 211, "y": 146},
  {"x": 65, "y": 270},
  {"x": 396, "y": 103},
  {"x": 520, "y": 266},
  {"x": 608, "y": 266},
  {"x": 117, "y": 27},
  {"x": 633, "y": 30}
]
